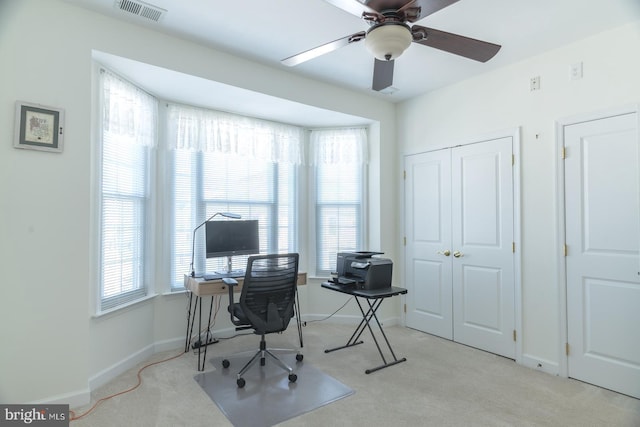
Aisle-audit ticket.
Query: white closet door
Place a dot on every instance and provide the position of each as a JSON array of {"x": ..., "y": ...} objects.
[
  {"x": 602, "y": 205},
  {"x": 459, "y": 201},
  {"x": 428, "y": 238},
  {"x": 482, "y": 246}
]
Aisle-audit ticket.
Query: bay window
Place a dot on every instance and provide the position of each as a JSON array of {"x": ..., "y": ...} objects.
[{"x": 212, "y": 162}]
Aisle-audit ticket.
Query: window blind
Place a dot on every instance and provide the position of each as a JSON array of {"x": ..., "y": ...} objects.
[
  {"x": 339, "y": 158},
  {"x": 128, "y": 136},
  {"x": 206, "y": 181}
]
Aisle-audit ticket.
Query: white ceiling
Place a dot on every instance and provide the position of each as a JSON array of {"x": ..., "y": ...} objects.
[{"x": 269, "y": 31}]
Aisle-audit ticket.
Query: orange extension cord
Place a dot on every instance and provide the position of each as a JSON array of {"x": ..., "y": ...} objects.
[{"x": 74, "y": 417}]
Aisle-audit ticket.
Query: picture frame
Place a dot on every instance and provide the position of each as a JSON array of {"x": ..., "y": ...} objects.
[{"x": 39, "y": 127}]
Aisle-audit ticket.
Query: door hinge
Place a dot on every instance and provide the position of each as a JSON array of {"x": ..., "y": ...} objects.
[
  {"x": 513, "y": 159},
  {"x": 566, "y": 349},
  {"x": 514, "y": 335},
  {"x": 405, "y": 308},
  {"x": 565, "y": 249},
  {"x": 564, "y": 153},
  {"x": 404, "y": 174},
  {"x": 405, "y": 240},
  {"x": 513, "y": 247}
]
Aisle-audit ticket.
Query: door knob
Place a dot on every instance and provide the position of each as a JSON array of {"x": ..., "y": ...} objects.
[
  {"x": 446, "y": 252},
  {"x": 458, "y": 254}
]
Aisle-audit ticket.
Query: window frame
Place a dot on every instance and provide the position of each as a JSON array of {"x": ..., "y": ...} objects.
[
  {"x": 362, "y": 239},
  {"x": 145, "y": 290},
  {"x": 199, "y": 214}
]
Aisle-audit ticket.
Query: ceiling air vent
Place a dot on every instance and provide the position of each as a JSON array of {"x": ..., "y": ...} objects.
[{"x": 140, "y": 8}]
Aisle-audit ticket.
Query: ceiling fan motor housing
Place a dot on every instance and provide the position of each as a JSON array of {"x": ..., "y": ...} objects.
[{"x": 386, "y": 41}]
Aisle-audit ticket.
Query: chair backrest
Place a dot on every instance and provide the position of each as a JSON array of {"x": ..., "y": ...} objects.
[{"x": 269, "y": 291}]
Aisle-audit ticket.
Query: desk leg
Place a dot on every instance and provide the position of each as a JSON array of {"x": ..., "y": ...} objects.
[
  {"x": 373, "y": 307},
  {"x": 199, "y": 331},
  {"x": 365, "y": 324},
  {"x": 187, "y": 334},
  {"x": 191, "y": 317},
  {"x": 195, "y": 309},
  {"x": 208, "y": 336},
  {"x": 353, "y": 340}
]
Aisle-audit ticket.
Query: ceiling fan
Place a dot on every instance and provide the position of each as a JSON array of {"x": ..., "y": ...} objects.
[{"x": 389, "y": 35}]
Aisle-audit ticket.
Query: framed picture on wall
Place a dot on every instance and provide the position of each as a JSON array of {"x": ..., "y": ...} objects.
[{"x": 39, "y": 127}]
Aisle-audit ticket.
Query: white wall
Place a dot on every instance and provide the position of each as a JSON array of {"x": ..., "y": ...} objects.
[
  {"x": 51, "y": 347},
  {"x": 502, "y": 100}
]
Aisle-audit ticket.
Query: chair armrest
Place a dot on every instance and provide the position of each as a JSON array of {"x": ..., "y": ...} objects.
[{"x": 229, "y": 281}]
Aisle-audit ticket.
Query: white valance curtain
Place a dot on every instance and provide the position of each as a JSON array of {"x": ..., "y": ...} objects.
[
  {"x": 217, "y": 132},
  {"x": 127, "y": 110},
  {"x": 339, "y": 146}
]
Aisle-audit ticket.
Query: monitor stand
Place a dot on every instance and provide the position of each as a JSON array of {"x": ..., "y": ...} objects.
[{"x": 230, "y": 272}]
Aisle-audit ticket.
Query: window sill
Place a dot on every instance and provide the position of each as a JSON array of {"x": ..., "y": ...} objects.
[
  {"x": 130, "y": 304},
  {"x": 179, "y": 291}
]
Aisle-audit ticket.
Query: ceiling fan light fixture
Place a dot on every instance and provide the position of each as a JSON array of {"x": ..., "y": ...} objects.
[{"x": 388, "y": 41}]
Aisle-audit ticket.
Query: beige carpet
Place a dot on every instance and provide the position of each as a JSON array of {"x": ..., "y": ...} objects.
[{"x": 440, "y": 384}]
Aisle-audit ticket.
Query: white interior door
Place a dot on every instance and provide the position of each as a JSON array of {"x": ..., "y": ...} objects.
[
  {"x": 483, "y": 239},
  {"x": 428, "y": 234},
  {"x": 461, "y": 200},
  {"x": 602, "y": 211}
]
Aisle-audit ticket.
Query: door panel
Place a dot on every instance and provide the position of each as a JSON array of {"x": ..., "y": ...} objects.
[
  {"x": 428, "y": 232},
  {"x": 481, "y": 298},
  {"x": 482, "y": 224},
  {"x": 602, "y": 210}
]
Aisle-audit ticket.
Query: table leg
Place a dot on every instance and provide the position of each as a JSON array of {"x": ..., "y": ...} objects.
[
  {"x": 192, "y": 316},
  {"x": 365, "y": 324},
  {"x": 353, "y": 340},
  {"x": 187, "y": 334},
  {"x": 208, "y": 336},
  {"x": 372, "y": 309},
  {"x": 199, "y": 331}
]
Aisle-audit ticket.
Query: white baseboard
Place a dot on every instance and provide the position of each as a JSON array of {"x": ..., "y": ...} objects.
[
  {"x": 116, "y": 369},
  {"x": 552, "y": 368},
  {"x": 170, "y": 344},
  {"x": 73, "y": 399}
]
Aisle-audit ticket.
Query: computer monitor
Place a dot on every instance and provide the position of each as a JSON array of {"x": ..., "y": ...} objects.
[{"x": 232, "y": 237}]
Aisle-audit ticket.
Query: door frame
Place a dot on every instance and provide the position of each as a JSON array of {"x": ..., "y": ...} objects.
[
  {"x": 563, "y": 333},
  {"x": 515, "y": 134}
]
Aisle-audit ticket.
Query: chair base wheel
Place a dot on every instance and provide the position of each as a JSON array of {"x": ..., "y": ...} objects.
[
  {"x": 225, "y": 363},
  {"x": 293, "y": 378},
  {"x": 241, "y": 382},
  {"x": 299, "y": 357}
]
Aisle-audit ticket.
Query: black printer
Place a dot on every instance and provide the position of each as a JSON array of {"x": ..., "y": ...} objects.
[{"x": 364, "y": 269}]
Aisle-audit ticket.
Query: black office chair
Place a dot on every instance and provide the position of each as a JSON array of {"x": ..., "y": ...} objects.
[{"x": 266, "y": 304}]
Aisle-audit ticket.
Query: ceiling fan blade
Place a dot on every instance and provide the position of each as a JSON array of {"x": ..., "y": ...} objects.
[
  {"x": 477, "y": 50},
  {"x": 382, "y": 75},
  {"x": 428, "y": 7},
  {"x": 354, "y": 7},
  {"x": 416, "y": 9},
  {"x": 322, "y": 49}
]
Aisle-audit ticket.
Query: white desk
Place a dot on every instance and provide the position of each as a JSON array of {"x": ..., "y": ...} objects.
[{"x": 199, "y": 287}]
